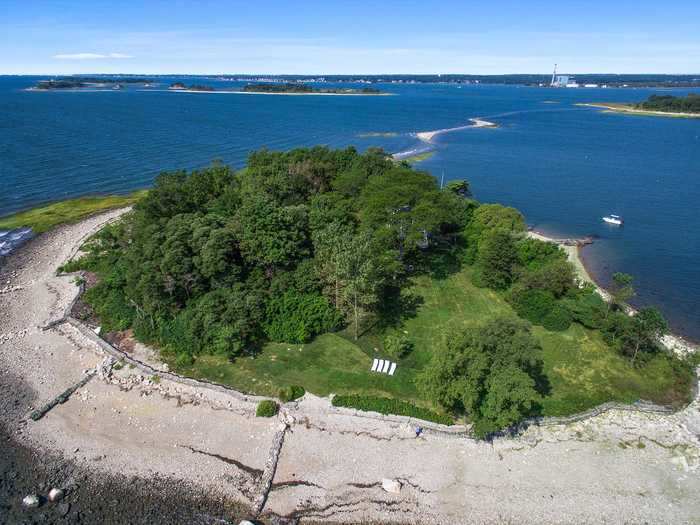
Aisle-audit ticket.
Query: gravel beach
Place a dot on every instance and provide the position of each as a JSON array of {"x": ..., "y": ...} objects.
[{"x": 130, "y": 449}]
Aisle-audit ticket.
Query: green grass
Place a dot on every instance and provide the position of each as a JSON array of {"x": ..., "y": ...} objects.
[
  {"x": 582, "y": 370},
  {"x": 418, "y": 158},
  {"x": 66, "y": 212}
]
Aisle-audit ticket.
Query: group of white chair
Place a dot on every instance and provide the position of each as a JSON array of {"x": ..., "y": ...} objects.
[{"x": 383, "y": 366}]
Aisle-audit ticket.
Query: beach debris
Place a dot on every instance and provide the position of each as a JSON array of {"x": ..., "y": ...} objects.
[
  {"x": 105, "y": 368},
  {"x": 31, "y": 501},
  {"x": 246, "y": 522},
  {"x": 10, "y": 289},
  {"x": 265, "y": 482},
  {"x": 55, "y": 495},
  {"x": 37, "y": 414},
  {"x": 392, "y": 486}
]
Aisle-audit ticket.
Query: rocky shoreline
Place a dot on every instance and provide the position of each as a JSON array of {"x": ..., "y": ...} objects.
[{"x": 89, "y": 496}]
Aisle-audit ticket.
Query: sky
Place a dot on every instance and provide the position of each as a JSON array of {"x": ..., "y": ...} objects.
[{"x": 348, "y": 37}]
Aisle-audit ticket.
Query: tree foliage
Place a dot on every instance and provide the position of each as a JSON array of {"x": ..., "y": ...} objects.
[
  {"x": 491, "y": 372},
  {"x": 296, "y": 244}
]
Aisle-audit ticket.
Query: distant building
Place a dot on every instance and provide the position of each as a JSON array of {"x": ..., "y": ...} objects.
[{"x": 560, "y": 80}]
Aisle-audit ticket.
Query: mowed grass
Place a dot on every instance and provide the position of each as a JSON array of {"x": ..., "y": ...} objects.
[
  {"x": 67, "y": 212},
  {"x": 420, "y": 157},
  {"x": 582, "y": 370}
]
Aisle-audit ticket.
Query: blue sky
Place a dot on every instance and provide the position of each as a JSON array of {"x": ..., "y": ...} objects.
[{"x": 217, "y": 36}]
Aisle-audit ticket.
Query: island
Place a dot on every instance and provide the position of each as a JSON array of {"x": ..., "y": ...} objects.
[
  {"x": 297, "y": 88},
  {"x": 308, "y": 268},
  {"x": 322, "y": 334},
  {"x": 179, "y": 86},
  {"x": 657, "y": 105},
  {"x": 89, "y": 83}
]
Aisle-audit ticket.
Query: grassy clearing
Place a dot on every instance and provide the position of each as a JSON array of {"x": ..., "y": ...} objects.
[
  {"x": 420, "y": 157},
  {"x": 66, "y": 212},
  {"x": 583, "y": 372}
]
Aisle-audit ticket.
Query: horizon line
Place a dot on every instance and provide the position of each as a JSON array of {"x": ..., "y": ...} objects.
[{"x": 345, "y": 74}]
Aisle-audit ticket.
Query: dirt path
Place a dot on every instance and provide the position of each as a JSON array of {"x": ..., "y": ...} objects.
[{"x": 617, "y": 467}]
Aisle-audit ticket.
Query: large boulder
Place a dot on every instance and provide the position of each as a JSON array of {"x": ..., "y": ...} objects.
[
  {"x": 31, "y": 502},
  {"x": 55, "y": 495},
  {"x": 392, "y": 486}
]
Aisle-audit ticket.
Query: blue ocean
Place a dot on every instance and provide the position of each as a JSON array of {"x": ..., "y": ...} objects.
[{"x": 564, "y": 166}]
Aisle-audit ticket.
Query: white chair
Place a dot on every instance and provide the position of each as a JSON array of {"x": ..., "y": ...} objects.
[
  {"x": 387, "y": 364},
  {"x": 380, "y": 364},
  {"x": 374, "y": 365},
  {"x": 392, "y": 369}
]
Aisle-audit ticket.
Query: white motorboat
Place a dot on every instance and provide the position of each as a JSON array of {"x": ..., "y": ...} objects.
[{"x": 613, "y": 219}]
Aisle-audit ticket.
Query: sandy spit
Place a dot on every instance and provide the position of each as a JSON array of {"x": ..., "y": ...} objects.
[
  {"x": 622, "y": 109},
  {"x": 428, "y": 136},
  {"x": 620, "y": 466}
]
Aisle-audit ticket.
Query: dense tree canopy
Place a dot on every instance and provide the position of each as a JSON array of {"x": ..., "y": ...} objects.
[
  {"x": 689, "y": 104},
  {"x": 217, "y": 261}
]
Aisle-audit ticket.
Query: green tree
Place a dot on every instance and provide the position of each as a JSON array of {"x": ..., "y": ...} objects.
[
  {"x": 459, "y": 187},
  {"x": 490, "y": 372},
  {"x": 643, "y": 333},
  {"x": 269, "y": 234},
  {"x": 361, "y": 276},
  {"x": 497, "y": 258},
  {"x": 510, "y": 394},
  {"x": 622, "y": 289},
  {"x": 397, "y": 345},
  {"x": 296, "y": 318},
  {"x": 556, "y": 277},
  {"x": 488, "y": 218}
]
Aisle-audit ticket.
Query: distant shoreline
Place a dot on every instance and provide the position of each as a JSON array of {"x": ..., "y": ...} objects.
[
  {"x": 238, "y": 92},
  {"x": 624, "y": 108}
]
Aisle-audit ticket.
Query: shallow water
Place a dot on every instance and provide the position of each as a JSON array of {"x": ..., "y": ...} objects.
[{"x": 563, "y": 165}]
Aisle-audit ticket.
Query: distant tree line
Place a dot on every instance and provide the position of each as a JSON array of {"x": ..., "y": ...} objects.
[
  {"x": 299, "y": 87},
  {"x": 689, "y": 104},
  {"x": 83, "y": 82}
]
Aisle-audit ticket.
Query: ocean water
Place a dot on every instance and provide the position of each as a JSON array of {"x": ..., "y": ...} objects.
[{"x": 564, "y": 166}]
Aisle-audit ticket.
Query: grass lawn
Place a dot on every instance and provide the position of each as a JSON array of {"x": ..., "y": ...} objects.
[
  {"x": 46, "y": 217},
  {"x": 582, "y": 370},
  {"x": 418, "y": 157}
]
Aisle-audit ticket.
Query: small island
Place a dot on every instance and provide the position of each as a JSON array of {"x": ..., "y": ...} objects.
[
  {"x": 657, "y": 105},
  {"x": 179, "y": 86},
  {"x": 88, "y": 83},
  {"x": 297, "y": 88}
]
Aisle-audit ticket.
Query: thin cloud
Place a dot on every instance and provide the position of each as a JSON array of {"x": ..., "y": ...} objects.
[{"x": 89, "y": 56}]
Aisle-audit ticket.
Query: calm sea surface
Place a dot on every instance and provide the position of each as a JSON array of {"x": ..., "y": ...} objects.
[{"x": 562, "y": 165}]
